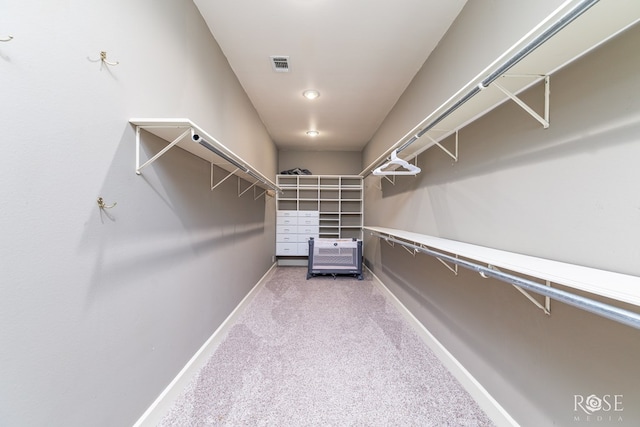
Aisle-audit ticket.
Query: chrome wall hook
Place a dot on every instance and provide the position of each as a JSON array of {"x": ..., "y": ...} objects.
[
  {"x": 103, "y": 205},
  {"x": 7, "y": 39},
  {"x": 103, "y": 58}
]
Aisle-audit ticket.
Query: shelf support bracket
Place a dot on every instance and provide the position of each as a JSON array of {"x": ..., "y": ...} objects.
[
  {"x": 411, "y": 251},
  {"x": 543, "y": 120},
  {"x": 259, "y": 195},
  {"x": 213, "y": 187},
  {"x": 240, "y": 193},
  {"x": 453, "y": 269},
  {"x": 392, "y": 180},
  {"x": 454, "y": 155},
  {"x": 547, "y": 300},
  {"x": 139, "y": 167},
  {"x": 379, "y": 184},
  {"x": 546, "y": 308}
]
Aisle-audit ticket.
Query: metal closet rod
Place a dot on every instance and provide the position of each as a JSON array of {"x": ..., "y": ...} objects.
[
  {"x": 507, "y": 65},
  {"x": 608, "y": 311},
  {"x": 200, "y": 140}
]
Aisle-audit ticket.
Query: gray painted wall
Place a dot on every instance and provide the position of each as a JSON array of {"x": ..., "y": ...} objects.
[
  {"x": 483, "y": 31},
  {"x": 100, "y": 310},
  {"x": 322, "y": 162},
  {"x": 568, "y": 193}
]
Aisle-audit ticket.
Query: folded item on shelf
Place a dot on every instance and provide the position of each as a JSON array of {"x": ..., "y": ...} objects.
[{"x": 296, "y": 171}]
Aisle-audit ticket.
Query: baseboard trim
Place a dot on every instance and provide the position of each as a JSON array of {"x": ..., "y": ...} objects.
[
  {"x": 492, "y": 408},
  {"x": 293, "y": 262},
  {"x": 154, "y": 414}
]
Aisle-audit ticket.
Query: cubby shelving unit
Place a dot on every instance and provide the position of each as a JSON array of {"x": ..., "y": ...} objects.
[{"x": 325, "y": 206}]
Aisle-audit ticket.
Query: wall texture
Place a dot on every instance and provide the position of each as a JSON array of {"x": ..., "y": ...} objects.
[
  {"x": 322, "y": 162},
  {"x": 568, "y": 193},
  {"x": 99, "y": 310}
]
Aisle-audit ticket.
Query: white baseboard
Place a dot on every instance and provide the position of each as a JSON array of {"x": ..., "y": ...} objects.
[
  {"x": 154, "y": 414},
  {"x": 293, "y": 262},
  {"x": 488, "y": 404}
]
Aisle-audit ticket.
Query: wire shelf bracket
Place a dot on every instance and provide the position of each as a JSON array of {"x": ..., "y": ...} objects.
[
  {"x": 544, "y": 120},
  {"x": 172, "y": 144},
  {"x": 436, "y": 142},
  {"x": 546, "y": 308},
  {"x": 214, "y": 186}
]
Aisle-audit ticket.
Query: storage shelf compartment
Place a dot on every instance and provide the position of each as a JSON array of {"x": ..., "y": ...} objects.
[
  {"x": 351, "y": 233},
  {"x": 307, "y": 181},
  {"x": 305, "y": 193},
  {"x": 329, "y": 234},
  {"x": 337, "y": 198},
  {"x": 288, "y": 181},
  {"x": 355, "y": 196},
  {"x": 329, "y": 221},
  {"x": 350, "y": 206},
  {"x": 288, "y": 194},
  {"x": 346, "y": 182},
  {"x": 351, "y": 221},
  {"x": 329, "y": 194},
  {"x": 306, "y": 205},
  {"x": 331, "y": 182},
  {"x": 330, "y": 206},
  {"x": 289, "y": 205}
]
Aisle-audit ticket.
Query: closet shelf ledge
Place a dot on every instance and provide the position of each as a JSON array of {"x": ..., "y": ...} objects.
[
  {"x": 617, "y": 286},
  {"x": 180, "y": 132}
]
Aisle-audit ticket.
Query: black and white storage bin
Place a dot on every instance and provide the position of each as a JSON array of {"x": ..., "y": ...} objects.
[{"x": 335, "y": 256}]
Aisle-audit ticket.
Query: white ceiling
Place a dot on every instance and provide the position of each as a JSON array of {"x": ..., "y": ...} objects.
[{"x": 359, "y": 54}]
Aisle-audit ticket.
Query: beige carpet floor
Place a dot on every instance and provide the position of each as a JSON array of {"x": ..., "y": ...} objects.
[{"x": 323, "y": 352}]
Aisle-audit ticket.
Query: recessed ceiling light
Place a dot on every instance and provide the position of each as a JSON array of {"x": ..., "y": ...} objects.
[
  {"x": 313, "y": 133},
  {"x": 311, "y": 94}
]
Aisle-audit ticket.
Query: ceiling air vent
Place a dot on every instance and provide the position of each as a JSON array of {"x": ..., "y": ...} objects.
[{"x": 280, "y": 63}]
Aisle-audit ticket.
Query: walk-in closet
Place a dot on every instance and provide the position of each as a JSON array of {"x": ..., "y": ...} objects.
[{"x": 315, "y": 212}]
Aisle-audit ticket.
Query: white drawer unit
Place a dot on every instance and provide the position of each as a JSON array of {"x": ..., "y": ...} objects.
[
  {"x": 308, "y": 229},
  {"x": 287, "y": 220},
  {"x": 293, "y": 231},
  {"x": 308, "y": 214},
  {"x": 303, "y": 249},
  {"x": 287, "y": 249},
  {"x": 286, "y": 229},
  {"x": 308, "y": 220},
  {"x": 304, "y": 238},
  {"x": 288, "y": 238}
]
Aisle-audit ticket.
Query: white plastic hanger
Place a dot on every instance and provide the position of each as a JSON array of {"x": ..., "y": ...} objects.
[{"x": 408, "y": 168}]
